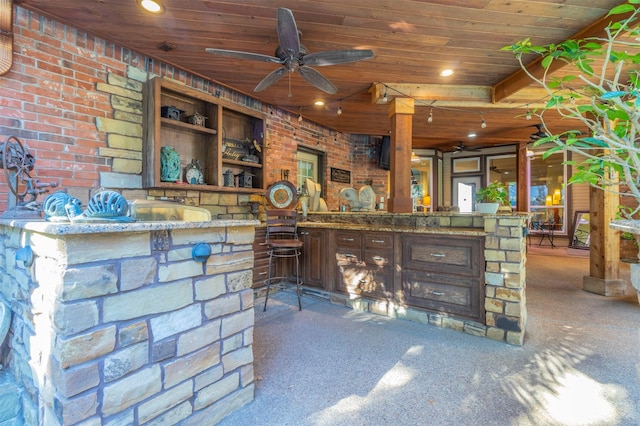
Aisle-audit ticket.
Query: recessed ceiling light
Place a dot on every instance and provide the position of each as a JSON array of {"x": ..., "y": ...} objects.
[
  {"x": 446, "y": 73},
  {"x": 318, "y": 103},
  {"x": 471, "y": 135},
  {"x": 152, "y": 6}
]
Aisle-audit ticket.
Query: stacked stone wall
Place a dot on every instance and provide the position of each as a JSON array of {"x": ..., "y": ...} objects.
[{"x": 126, "y": 328}]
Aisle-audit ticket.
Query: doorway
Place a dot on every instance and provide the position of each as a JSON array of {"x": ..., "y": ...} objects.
[{"x": 464, "y": 192}]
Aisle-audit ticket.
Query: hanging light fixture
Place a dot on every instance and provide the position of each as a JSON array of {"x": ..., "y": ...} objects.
[
  {"x": 528, "y": 116},
  {"x": 430, "y": 118},
  {"x": 339, "y": 112},
  {"x": 483, "y": 123}
]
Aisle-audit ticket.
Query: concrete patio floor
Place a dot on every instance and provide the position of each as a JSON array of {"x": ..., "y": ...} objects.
[{"x": 328, "y": 365}]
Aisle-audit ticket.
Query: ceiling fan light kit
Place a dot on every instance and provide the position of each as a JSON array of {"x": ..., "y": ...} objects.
[{"x": 294, "y": 57}]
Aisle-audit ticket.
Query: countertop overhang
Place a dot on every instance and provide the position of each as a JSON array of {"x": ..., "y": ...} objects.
[{"x": 101, "y": 227}]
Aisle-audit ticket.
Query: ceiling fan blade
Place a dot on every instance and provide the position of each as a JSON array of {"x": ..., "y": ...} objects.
[
  {"x": 270, "y": 79},
  {"x": 288, "y": 32},
  {"x": 244, "y": 55},
  {"x": 317, "y": 79},
  {"x": 334, "y": 57}
]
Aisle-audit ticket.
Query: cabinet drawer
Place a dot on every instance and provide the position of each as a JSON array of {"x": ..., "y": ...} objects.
[
  {"x": 460, "y": 256},
  {"x": 348, "y": 256},
  {"x": 444, "y": 293},
  {"x": 379, "y": 258},
  {"x": 348, "y": 239},
  {"x": 378, "y": 240}
]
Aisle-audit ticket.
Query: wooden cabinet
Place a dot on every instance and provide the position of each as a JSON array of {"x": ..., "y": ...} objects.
[
  {"x": 444, "y": 273},
  {"x": 364, "y": 263},
  {"x": 229, "y": 140},
  {"x": 314, "y": 257}
]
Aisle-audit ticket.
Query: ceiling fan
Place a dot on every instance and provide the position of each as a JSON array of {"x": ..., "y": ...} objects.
[
  {"x": 539, "y": 134},
  {"x": 293, "y": 56},
  {"x": 460, "y": 147}
]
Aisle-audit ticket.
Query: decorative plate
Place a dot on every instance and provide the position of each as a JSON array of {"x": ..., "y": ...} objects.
[{"x": 282, "y": 194}]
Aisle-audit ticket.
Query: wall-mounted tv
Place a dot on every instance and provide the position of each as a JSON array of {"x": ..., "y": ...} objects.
[{"x": 384, "y": 161}]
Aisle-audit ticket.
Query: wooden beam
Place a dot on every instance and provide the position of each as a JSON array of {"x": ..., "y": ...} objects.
[
  {"x": 461, "y": 96},
  {"x": 519, "y": 79}
]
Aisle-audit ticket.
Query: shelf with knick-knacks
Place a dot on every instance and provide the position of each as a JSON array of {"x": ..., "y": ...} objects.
[{"x": 206, "y": 136}]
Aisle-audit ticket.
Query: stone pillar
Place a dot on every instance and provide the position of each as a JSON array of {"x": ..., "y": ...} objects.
[
  {"x": 401, "y": 114},
  {"x": 604, "y": 246}
]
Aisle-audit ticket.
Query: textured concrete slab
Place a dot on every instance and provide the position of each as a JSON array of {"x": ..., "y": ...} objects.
[{"x": 328, "y": 365}]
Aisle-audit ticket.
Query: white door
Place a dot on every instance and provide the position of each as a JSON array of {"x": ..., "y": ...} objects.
[{"x": 464, "y": 192}]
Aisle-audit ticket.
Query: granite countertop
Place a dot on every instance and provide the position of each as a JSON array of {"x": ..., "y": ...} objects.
[
  {"x": 394, "y": 228},
  {"x": 103, "y": 226}
]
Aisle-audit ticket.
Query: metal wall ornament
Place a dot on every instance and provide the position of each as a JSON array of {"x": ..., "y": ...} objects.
[{"x": 17, "y": 162}]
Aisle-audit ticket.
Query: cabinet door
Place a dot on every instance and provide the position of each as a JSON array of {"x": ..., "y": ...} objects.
[
  {"x": 261, "y": 258},
  {"x": 444, "y": 274},
  {"x": 313, "y": 257},
  {"x": 459, "y": 295}
]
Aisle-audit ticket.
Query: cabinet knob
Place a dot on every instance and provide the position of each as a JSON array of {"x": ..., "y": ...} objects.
[
  {"x": 378, "y": 241},
  {"x": 436, "y": 293},
  {"x": 437, "y": 255}
]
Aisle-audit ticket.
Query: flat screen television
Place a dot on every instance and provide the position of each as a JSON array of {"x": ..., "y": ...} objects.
[{"x": 384, "y": 161}]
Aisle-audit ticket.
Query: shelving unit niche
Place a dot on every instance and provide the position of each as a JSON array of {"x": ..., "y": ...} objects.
[
  {"x": 201, "y": 142},
  {"x": 242, "y": 142}
]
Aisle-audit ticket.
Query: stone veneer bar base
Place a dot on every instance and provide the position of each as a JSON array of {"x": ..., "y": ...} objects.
[{"x": 117, "y": 324}]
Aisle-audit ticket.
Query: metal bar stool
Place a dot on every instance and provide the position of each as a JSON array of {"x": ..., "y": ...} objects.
[{"x": 282, "y": 242}]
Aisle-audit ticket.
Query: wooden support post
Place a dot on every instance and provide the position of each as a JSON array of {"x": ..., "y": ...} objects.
[
  {"x": 522, "y": 164},
  {"x": 604, "y": 246},
  {"x": 401, "y": 114}
]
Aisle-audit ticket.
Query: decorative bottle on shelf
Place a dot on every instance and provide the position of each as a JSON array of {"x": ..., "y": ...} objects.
[{"x": 169, "y": 164}]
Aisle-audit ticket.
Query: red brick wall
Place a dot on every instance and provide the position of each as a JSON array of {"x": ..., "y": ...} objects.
[{"x": 50, "y": 102}]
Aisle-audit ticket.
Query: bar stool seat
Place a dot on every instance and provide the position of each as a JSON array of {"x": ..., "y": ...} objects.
[{"x": 282, "y": 242}]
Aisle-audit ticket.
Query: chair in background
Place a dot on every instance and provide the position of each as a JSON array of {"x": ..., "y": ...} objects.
[{"x": 282, "y": 242}]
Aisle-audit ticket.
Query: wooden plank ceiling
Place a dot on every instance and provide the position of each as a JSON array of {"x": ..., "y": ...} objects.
[{"x": 412, "y": 41}]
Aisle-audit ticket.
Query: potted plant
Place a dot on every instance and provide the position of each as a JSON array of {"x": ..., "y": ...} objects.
[
  {"x": 600, "y": 93},
  {"x": 491, "y": 197}
]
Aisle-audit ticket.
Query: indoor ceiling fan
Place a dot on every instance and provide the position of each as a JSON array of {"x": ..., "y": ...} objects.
[
  {"x": 293, "y": 56},
  {"x": 539, "y": 134},
  {"x": 460, "y": 147}
]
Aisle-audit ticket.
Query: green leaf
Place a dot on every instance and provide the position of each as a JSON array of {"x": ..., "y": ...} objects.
[
  {"x": 547, "y": 61},
  {"x": 623, "y": 8}
]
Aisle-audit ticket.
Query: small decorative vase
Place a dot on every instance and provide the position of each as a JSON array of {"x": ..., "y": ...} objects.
[{"x": 169, "y": 164}]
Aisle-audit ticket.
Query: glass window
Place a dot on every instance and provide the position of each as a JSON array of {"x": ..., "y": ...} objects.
[
  {"x": 502, "y": 168},
  {"x": 547, "y": 195},
  {"x": 309, "y": 167}
]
